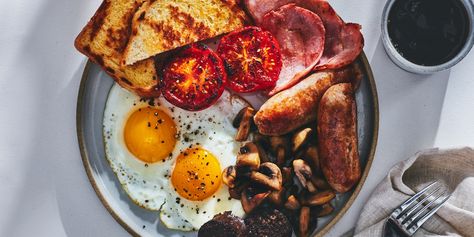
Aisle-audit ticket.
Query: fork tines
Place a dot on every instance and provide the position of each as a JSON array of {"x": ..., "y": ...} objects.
[{"x": 411, "y": 214}]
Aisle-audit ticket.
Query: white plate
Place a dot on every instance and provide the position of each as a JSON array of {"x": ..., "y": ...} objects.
[{"x": 93, "y": 93}]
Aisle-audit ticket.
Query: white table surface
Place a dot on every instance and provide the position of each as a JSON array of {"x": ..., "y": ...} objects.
[{"x": 44, "y": 190}]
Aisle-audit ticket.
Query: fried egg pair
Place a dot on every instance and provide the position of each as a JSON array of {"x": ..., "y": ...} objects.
[{"x": 171, "y": 160}]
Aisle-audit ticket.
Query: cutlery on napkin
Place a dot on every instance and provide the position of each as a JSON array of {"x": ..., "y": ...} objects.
[{"x": 454, "y": 168}]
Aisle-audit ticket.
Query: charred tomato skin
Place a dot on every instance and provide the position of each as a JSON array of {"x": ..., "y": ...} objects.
[
  {"x": 194, "y": 78},
  {"x": 252, "y": 59}
]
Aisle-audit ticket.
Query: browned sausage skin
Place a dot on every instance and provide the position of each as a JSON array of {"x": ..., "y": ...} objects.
[
  {"x": 297, "y": 106},
  {"x": 337, "y": 137}
]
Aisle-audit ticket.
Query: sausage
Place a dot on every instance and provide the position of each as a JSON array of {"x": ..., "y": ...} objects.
[
  {"x": 297, "y": 106},
  {"x": 337, "y": 137}
]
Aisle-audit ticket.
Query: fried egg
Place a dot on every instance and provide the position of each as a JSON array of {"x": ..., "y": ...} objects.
[{"x": 171, "y": 160}]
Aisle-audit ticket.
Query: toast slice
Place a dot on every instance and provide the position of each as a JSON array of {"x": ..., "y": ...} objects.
[
  {"x": 159, "y": 26},
  {"x": 104, "y": 39}
]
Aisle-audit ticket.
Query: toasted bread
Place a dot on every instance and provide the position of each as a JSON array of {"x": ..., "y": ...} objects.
[
  {"x": 159, "y": 26},
  {"x": 104, "y": 39}
]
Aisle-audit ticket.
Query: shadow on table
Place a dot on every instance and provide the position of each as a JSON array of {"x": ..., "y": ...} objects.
[
  {"x": 45, "y": 53},
  {"x": 410, "y": 106}
]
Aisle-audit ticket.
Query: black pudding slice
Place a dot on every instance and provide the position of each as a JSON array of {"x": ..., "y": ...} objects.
[
  {"x": 268, "y": 222},
  {"x": 224, "y": 225}
]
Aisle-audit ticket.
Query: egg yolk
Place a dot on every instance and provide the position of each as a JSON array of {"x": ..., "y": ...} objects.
[
  {"x": 150, "y": 134},
  {"x": 197, "y": 174}
]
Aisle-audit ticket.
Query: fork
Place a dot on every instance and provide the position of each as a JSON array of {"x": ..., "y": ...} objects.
[{"x": 406, "y": 219}]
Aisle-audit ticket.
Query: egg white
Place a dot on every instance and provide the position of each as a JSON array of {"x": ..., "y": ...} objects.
[{"x": 149, "y": 185}]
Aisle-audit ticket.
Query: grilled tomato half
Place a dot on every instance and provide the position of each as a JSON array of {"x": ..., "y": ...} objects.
[
  {"x": 194, "y": 78},
  {"x": 252, "y": 59}
]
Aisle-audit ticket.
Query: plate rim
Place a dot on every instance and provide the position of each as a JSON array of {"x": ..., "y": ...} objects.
[{"x": 131, "y": 231}]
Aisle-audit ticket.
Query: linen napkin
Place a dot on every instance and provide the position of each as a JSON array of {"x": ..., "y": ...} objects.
[{"x": 454, "y": 168}]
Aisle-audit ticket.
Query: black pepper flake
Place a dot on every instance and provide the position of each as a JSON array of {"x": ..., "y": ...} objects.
[
  {"x": 160, "y": 121},
  {"x": 149, "y": 124},
  {"x": 162, "y": 141},
  {"x": 151, "y": 102},
  {"x": 218, "y": 200},
  {"x": 143, "y": 227}
]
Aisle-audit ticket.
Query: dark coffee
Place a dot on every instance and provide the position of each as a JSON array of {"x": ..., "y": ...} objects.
[{"x": 428, "y": 32}]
